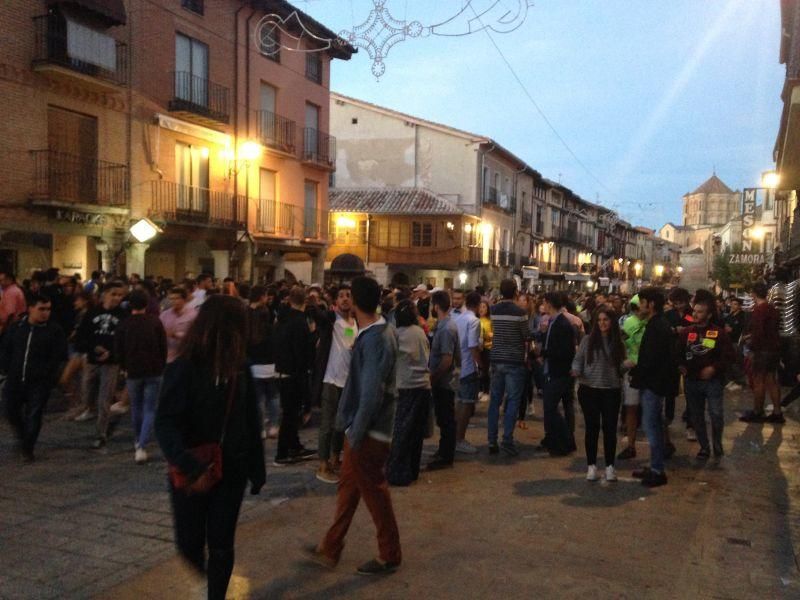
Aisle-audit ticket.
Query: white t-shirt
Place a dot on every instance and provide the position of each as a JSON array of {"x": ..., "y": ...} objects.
[{"x": 344, "y": 336}]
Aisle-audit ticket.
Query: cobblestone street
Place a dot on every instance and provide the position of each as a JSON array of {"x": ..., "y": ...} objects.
[{"x": 78, "y": 524}]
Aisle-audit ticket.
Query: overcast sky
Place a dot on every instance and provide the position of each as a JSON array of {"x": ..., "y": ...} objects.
[{"x": 650, "y": 95}]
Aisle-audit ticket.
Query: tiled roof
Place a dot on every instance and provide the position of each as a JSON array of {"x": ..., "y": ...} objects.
[
  {"x": 713, "y": 185},
  {"x": 391, "y": 201}
]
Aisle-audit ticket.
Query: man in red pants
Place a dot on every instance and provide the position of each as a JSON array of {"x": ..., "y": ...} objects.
[{"x": 366, "y": 415}]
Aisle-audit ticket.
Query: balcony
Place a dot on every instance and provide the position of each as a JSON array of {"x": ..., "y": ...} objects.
[
  {"x": 315, "y": 224},
  {"x": 319, "y": 148},
  {"x": 199, "y": 100},
  {"x": 472, "y": 256},
  {"x": 190, "y": 205},
  {"x": 66, "y": 49},
  {"x": 491, "y": 196},
  {"x": 67, "y": 179},
  {"x": 528, "y": 261},
  {"x": 276, "y": 132},
  {"x": 275, "y": 218}
]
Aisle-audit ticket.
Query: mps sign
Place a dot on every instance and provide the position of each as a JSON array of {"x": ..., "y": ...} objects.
[{"x": 748, "y": 219}]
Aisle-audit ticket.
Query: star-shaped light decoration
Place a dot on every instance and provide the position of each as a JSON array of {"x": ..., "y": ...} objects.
[{"x": 379, "y": 33}]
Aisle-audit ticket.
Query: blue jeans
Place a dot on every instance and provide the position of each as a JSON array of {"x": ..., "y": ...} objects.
[
  {"x": 268, "y": 397},
  {"x": 653, "y": 422},
  {"x": 143, "y": 394},
  {"x": 507, "y": 380},
  {"x": 697, "y": 393}
]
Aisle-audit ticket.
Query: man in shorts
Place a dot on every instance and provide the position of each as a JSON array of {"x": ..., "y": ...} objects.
[
  {"x": 765, "y": 348},
  {"x": 469, "y": 338}
]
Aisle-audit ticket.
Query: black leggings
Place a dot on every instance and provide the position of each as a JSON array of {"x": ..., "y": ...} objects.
[
  {"x": 600, "y": 404},
  {"x": 209, "y": 519}
]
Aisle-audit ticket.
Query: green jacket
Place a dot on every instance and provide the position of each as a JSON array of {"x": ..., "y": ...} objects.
[{"x": 633, "y": 332}]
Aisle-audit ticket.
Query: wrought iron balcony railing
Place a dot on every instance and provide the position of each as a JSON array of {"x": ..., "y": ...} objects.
[
  {"x": 79, "y": 48},
  {"x": 319, "y": 147},
  {"x": 193, "y": 94},
  {"x": 276, "y": 131},
  {"x": 73, "y": 179},
  {"x": 193, "y": 205}
]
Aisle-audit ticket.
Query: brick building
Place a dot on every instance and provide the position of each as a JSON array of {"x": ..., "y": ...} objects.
[{"x": 194, "y": 114}]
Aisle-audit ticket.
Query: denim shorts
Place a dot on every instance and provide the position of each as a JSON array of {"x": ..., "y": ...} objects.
[{"x": 468, "y": 388}]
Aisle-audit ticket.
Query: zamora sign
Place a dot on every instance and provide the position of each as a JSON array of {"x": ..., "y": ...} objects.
[{"x": 747, "y": 259}]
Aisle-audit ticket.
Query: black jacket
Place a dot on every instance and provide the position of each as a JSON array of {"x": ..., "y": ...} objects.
[
  {"x": 559, "y": 348},
  {"x": 33, "y": 353},
  {"x": 657, "y": 364},
  {"x": 140, "y": 345},
  {"x": 191, "y": 412},
  {"x": 261, "y": 342},
  {"x": 294, "y": 348}
]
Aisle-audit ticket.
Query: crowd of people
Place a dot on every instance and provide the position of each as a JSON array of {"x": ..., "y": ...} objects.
[{"x": 214, "y": 368}]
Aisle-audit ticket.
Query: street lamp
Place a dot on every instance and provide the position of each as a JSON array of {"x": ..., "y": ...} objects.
[
  {"x": 462, "y": 278},
  {"x": 659, "y": 270},
  {"x": 144, "y": 230},
  {"x": 770, "y": 180}
]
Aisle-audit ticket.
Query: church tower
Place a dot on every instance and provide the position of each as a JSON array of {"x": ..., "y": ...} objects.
[{"x": 713, "y": 203}]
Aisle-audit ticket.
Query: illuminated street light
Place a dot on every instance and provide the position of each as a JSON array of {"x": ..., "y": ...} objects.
[
  {"x": 345, "y": 222},
  {"x": 638, "y": 268},
  {"x": 249, "y": 151},
  {"x": 659, "y": 270},
  {"x": 468, "y": 228},
  {"x": 144, "y": 230},
  {"x": 757, "y": 232},
  {"x": 680, "y": 269},
  {"x": 450, "y": 226},
  {"x": 770, "y": 180},
  {"x": 462, "y": 278}
]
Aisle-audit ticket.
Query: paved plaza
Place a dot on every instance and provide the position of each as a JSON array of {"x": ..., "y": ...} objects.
[{"x": 78, "y": 524}]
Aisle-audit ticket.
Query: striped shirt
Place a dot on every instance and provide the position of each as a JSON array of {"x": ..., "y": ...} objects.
[{"x": 510, "y": 328}]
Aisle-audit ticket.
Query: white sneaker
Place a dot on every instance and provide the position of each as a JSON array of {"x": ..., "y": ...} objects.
[
  {"x": 691, "y": 436},
  {"x": 483, "y": 397},
  {"x": 119, "y": 408},
  {"x": 140, "y": 456},
  {"x": 464, "y": 447},
  {"x": 86, "y": 415},
  {"x": 591, "y": 473},
  {"x": 733, "y": 387},
  {"x": 611, "y": 473}
]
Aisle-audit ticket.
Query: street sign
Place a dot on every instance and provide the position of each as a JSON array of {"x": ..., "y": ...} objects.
[{"x": 747, "y": 258}]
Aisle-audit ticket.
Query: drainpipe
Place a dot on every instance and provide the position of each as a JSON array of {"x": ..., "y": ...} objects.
[
  {"x": 129, "y": 116},
  {"x": 368, "y": 238}
]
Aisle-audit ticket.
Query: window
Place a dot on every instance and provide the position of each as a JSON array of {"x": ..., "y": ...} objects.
[
  {"x": 422, "y": 234},
  {"x": 768, "y": 243},
  {"x": 191, "y": 174},
  {"x": 191, "y": 70},
  {"x": 311, "y": 221},
  {"x": 768, "y": 200},
  {"x": 193, "y": 5},
  {"x": 270, "y": 42},
  {"x": 314, "y": 67},
  {"x": 486, "y": 183},
  {"x": 72, "y": 172},
  {"x": 267, "y": 196}
]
